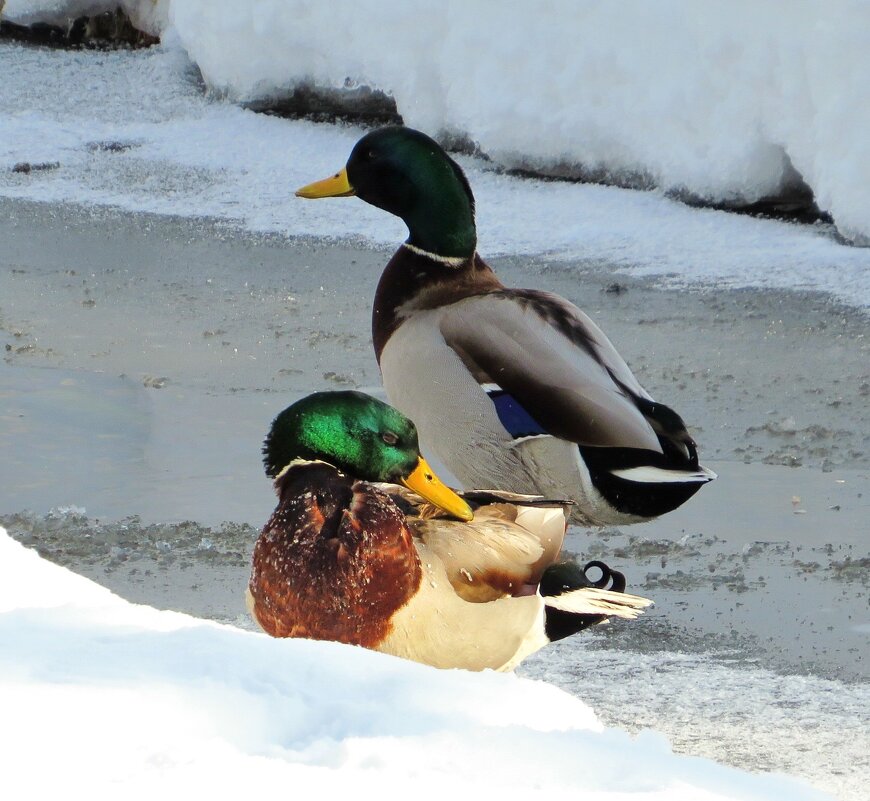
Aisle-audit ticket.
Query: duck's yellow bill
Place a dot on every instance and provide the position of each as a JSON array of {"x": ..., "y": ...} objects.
[
  {"x": 335, "y": 186},
  {"x": 425, "y": 483}
]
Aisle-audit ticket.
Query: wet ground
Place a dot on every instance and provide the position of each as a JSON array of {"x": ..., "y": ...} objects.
[{"x": 143, "y": 358}]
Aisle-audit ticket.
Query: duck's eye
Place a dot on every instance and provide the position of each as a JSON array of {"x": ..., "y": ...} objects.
[{"x": 389, "y": 437}]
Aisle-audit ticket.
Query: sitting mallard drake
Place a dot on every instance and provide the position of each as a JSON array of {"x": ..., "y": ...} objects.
[
  {"x": 511, "y": 388},
  {"x": 408, "y": 567}
]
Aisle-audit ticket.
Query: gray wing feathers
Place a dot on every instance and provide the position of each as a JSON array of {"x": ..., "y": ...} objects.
[{"x": 555, "y": 361}]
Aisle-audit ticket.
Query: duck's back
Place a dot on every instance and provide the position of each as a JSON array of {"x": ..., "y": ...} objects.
[{"x": 520, "y": 390}]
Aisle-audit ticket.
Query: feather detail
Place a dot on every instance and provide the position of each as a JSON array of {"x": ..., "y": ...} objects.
[
  {"x": 515, "y": 419},
  {"x": 594, "y": 601},
  {"x": 504, "y": 551},
  {"x": 649, "y": 474},
  {"x": 555, "y": 365}
]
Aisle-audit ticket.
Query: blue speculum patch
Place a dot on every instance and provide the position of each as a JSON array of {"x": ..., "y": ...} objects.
[{"x": 516, "y": 420}]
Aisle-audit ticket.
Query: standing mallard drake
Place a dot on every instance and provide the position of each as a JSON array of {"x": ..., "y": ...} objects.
[
  {"x": 512, "y": 388},
  {"x": 408, "y": 567}
]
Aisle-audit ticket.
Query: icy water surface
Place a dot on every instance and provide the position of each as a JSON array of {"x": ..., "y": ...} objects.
[{"x": 721, "y": 703}]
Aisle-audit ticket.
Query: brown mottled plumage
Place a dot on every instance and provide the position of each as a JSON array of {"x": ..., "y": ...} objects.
[{"x": 335, "y": 560}]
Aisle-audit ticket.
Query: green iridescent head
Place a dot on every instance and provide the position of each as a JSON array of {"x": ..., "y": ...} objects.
[
  {"x": 409, "y": 174},
  {"x": 356, "y": 433},
  {"x": 362, "y": 437}
]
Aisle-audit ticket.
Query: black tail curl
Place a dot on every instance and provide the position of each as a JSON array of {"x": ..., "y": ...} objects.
[
  {"x": 610, "y": 579},
  {"x": 563, "y": 577}
]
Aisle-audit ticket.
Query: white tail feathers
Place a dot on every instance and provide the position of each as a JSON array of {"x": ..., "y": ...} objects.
[
  {"x": 659, "y": 475},
  {"x": 592, "y": 601}
]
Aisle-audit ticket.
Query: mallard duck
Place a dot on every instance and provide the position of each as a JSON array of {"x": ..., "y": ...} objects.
[
  {"x": 406, "y": 566},
  {"x": 511, "y": 388}
]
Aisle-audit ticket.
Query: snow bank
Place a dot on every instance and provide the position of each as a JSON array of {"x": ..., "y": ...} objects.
[
  {"x": 723, "y": 101},
  {"x": 122, "y": 698},
  {"x": 702, "y": 97}
]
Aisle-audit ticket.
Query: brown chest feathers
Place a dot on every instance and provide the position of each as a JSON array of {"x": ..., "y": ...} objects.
[
  {"x": 334, "y": 562},
  {"x": 412, "y": 281}
]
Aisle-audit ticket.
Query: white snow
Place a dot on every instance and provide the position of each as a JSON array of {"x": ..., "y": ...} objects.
[
  {"x": 711, "y": 98},
  {"x": 704, "y": 96},
  {"x": 118, "y": 699}
]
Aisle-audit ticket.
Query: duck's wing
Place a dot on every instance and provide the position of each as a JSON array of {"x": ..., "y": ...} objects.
[
  {"x": 503, "y": 551},
  {"x": 550, "y": 370},
  {"x": 486, "y": 559},
  {"x": 518, "y": 515}
]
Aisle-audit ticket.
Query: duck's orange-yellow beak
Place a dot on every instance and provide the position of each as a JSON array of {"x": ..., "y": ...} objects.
[
  {"x": 425, "y": 483},
  {"x": 335, "y": 186}
]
